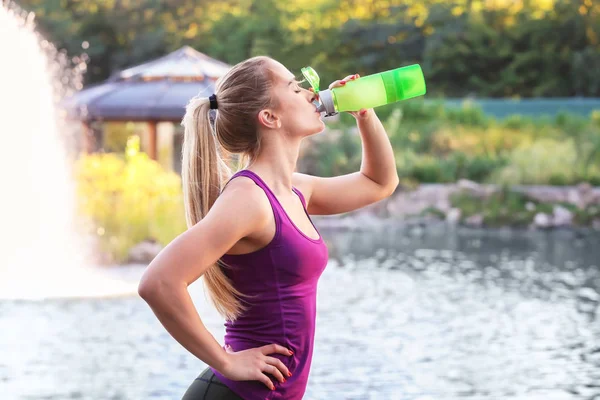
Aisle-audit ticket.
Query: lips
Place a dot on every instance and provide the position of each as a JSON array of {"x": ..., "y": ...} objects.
[{"x": 316, "y": 107}]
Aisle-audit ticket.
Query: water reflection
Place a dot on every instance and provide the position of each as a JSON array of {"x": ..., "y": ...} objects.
[
  {"x": 430, "y": 314},
  {"x": 452, "y": 313}
]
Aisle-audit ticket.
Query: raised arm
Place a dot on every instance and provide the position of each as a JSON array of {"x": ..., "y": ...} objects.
[{"x": 376, "y": 180}]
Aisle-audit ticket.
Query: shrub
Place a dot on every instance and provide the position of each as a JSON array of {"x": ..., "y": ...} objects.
[
  {"x": 545, "y": 161},
  {"x": 128, "y": 199}
]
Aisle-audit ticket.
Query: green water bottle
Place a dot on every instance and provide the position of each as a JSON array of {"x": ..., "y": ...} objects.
[{"x": 369, "y": 91}]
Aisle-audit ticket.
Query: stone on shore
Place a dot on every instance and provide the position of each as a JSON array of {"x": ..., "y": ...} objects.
[
  {"x": 542, "y": 220},
  {"x": 561, "y": 216},
  {"x": 475, "y": 220}
]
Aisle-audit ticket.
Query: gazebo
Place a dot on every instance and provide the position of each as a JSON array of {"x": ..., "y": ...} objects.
[{"x": 152, "y": 92}]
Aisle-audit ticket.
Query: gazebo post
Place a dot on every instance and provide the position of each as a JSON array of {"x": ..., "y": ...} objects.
[
  {"x": 152, "y": 139},
  {"x": 88, "y": 137}
]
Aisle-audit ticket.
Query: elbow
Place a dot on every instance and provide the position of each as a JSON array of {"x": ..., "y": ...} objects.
[
  {"x": 148, "y": 287},
  {"x": 145, "y": 290},
  {"x": 154, "y": 288},
  {"x": 390, "y": 188}
]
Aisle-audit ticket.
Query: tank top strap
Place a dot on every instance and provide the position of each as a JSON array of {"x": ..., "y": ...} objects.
[
  {"x": 299, "y": 193},
  {"x": 262, "y": 184},
  {"x": 277, "y": 210}
]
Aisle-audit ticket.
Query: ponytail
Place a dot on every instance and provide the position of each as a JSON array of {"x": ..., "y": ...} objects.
[
  {"x": 204, "y": 172},
  {"x": 242, "y": 92}
]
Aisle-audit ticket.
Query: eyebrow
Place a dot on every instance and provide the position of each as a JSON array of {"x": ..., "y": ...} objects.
[{"x": 296, "y": 80}]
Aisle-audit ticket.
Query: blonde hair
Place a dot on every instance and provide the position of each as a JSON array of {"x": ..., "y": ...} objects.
[{"x": 241, "y": 93}]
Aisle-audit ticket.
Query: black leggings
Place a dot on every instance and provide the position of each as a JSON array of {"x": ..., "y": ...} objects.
[{"x": 208, "y": 387}]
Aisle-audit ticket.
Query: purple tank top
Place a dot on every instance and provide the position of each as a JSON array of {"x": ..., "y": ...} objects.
[{"x": 282, "y": 278}]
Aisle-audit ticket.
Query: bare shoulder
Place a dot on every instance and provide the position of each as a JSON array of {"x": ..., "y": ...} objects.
[
  {"x": 242, "y": 200},
  {"x": 240, "y": 210}
]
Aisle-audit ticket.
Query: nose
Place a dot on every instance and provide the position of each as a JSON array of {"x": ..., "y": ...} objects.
[{"x": 314, "y": 96}]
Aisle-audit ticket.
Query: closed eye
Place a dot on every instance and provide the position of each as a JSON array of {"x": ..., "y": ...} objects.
[{"x": 298, "y": 83}]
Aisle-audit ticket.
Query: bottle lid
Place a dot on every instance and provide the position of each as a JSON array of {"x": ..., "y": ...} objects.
[{"x": 312, "y": 77}]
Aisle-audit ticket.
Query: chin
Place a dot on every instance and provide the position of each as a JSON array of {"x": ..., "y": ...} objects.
[{"x": 318, "y": 129}]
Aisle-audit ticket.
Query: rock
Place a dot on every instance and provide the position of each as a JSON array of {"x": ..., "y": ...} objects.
[
  {"x": 574, "y": 197},
  {"x": 467, "y": 184},
  {"x": 587, "y": 195},
  {"x": 453, "y": 215},
  {"x": 474, "y": 189},
  {"x": 584, "y": 188},
  {"x": 380, "y": 208},
  {"x": 475, "y": 220},
  {"x": 407, "y": 203},
  {"x": 144, "y": 252},
  {"x": 543, "y": 194},
  {"x": 562, "y": 216},
  {"x": 530, "y": 206},
  {"x": 542, "y": 220}
]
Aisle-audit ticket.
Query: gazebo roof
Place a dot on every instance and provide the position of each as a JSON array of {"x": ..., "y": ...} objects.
[{"x": 152, "y": 91}]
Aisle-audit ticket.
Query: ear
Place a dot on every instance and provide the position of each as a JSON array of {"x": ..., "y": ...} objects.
[{"x": 268, "y": 119}]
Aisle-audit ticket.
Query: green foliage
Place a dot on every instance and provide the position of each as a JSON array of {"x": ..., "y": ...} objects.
[
  {"x": 128, "y": 199},
  {"x": 504, "y": 207},
  {"x": 587, "y": 215},
  {"x": 338, "y": 153},
  {"x": 436, "y": 144},
  {"x": 546, "y": 161},
  {"x": 498, "y": 49},
  {"x": 511, "y": 208}
]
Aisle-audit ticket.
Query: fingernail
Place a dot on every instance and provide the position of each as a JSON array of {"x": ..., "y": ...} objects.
[
  {"x": 289, "y": 374},
  {"x": 363, "y": 112},
  {"x": 342, "y": 83}
]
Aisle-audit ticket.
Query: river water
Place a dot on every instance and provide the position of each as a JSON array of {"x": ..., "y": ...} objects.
[{"x": 408, "y": 313}]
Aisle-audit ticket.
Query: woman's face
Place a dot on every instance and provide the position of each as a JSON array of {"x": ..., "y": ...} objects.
[{"x": 295, "y": 108}]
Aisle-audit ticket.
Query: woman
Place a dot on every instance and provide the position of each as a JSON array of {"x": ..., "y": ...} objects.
[{"x": 251, "y": 236}]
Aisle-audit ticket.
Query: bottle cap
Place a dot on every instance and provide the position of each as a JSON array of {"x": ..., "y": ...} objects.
[{"x": 312, "y": 77}]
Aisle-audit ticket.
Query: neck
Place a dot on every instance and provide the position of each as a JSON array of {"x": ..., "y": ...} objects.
[{"x": 277, "y": 161}]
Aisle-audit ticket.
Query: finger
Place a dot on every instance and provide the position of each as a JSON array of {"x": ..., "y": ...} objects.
[
  {"x": 275, "y": 348},
  {"x": 337, "y": 84},
  {"x": 278, "y": 364},
  {"x": 265, "y": 379},
  {"x": 271, "y": 369},
  {"x": 343, "y": 81}
]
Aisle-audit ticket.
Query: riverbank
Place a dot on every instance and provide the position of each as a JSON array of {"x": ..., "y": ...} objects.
[
  {"x": 471, "y": 204},
  {"x": 464, "y": 203}
]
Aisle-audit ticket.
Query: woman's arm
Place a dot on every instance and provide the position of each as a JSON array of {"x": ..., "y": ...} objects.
[
  {"x": 376, "y": 180},
  {"x": 378, "y": 162},
  {"x": 237, "y": 212}
]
